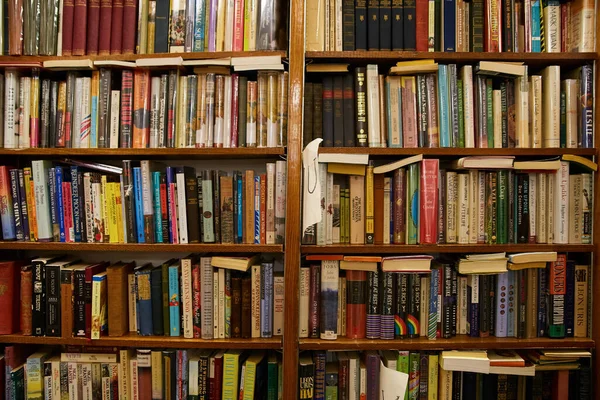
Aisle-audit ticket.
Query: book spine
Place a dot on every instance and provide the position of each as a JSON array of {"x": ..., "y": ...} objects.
[
  {"x": 174, "y": 304},
  {"x": 587, "y": 111},
  {"x": 473, "y": 310},
  {"x": 314, "y": 303},
  {"x": 428, "y": 201},
  {"x": 387, "y": 318},
  {"x": 52, "y": 311},
  {"x": 38, "y": 316},
  {"x": 361, "y": 105},
  {"x": 373, "y": 322}
]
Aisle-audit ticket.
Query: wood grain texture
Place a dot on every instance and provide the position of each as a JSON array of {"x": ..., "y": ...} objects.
[
  {"x": 444, "y": 248},
  {"x": 594, "y": 324},
  {"x": 139, "y": 247},
  {"x": 455, "y": 152},
  {"x": 194, "y": 153}
]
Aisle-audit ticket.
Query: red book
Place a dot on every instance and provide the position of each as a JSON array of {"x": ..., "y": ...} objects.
[
  {"x": 378, "y": 198},
  {"x": 79, "y": 27},
  {"x": 492, "y": 25},
  {"x": 238, "y": 25},
  {"x": 67, "y": 28},
  {"x": 314, "y": 299},
  {"x": 10, "y": 274},
  {"x": 93, "y": 26},
  {"x": 356, "y": 304},
  {"x": 116, "y": 35},
  {"x": 564, "y": 26},
  {"x": 144, "y": 369},
  {"x": 560, "y": 385},
  {"x": 26, "y": 299},
  {"x": 126, "y": 107},
  {"x": 129, "y": 27},
  {"x": 68, "y": 211},
  {"x": 235, "y": 92},
  {"x": 263, "y": 208},
  {"x": 216, "y": 380},
  {"x": 428, "y": 200},
  {"x": 196, "y": 292},
  {"x": 90, "y": 271},
  {"x": 105, "y": 27},
  {"x": 422, "y": 11},
  {"x": 141, "y": 108}
]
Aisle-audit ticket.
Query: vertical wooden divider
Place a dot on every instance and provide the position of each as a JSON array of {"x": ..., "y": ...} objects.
[
  {"x": 595, "y": 259},
  {"x": 293, "y": 199}
]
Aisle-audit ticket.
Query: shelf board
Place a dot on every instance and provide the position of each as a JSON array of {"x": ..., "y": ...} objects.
[
  {"x": 196, "y": 153},
  {"x": 458, "y": 342},
  {"x": 134, "y": 340},
  {"x": 362, "y": 56},
  {"x": 443, "y": 248},
  {"x": 143, "y": 247},
  {"x": 132, "y": 57},
  {"x": 455, "y": 152}
]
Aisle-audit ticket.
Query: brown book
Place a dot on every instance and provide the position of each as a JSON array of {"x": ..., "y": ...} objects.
[
  {"x": 399, "y": 208},
  {"x": 378, "y": 186},
  {"x": 263, "y": 208},
  {"x": 317, "y": 111},
  {"x": 192, "y": 210},
  {"x": 236, "y": 307},
  {"x": 26, "y": 298},
  {"x": 10, "y": 273},
  {"x": 66, "y": 302},
  {"x": 531, "y": 317},
  {"x": 93, "y": 26},
  {"x": 226, "y": 209},
  {"x": 308, "y": 114},
  {"x": 246, "y": 307},
  {"x": 79, "y": 27},
  {"x": 248, "y": 200},
  {"x": 116, "y": 27},
  {"x": 581, "y": 300},
  {"x": 118, "y": 300},
  {"x": 105, "y": 27},
  {"x": 15, "y": 28},
  {"x": 357, "y": 209}
]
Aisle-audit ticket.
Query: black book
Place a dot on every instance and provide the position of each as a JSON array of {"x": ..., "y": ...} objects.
[
  {"x": 360, "y": 25},
  {"x": 476, "y": 25},
  {"x": 402, "y": 293},
  {"x": 203, "y": 375},
  {"x": 492, "y": 303},
  {"x": 570, "y": 299},
  {"x": 38, "y": 318},
  {"x": 52, "y": 289},
  {"x": 422, "y": 116},
  {"x": 410, "y": 25},
  {"x": 17, "y": 201},
  {"x": 170, "y": 373},
  {"x": 192, "y": 212},
  {"x": 45, "y": 113},
  {"x": 348, "y": 25},
  {"x": 317, "y": 111},
  {"x": 156, "y": 296},
  {"x": 52, "y": 114},
  {"x": 507, "y": 25},
  {"x": 510, "y": 184},
  {"x": 129, "y": 202},
  {"x": 385, "y": 25},
  {"x": 242, "y": 110},
  {"x": 308, "y": 114},
  {"x": 306, "y": 374},
  {"x": 457, "y": 389},
  {"x": 414, "y": 304},
  {"x": 360, "y": 91},
  {"x": 349, "y": 111},
  {"x": 442, "y": 207},
  {"x": 338, "y": 111},
  {"x": 522, "y": 302},
  {"x": 373, "y": 25},
  {"x": 454, "y": 300},
  {"x": 328, "y": 111},
  {"x": 161, "y": 38},
  {"x": 79, "y": 302},
  {"x": 397, "y": 25},
  {"x": 68, "y": 136},
  {"x": 216, "y": 186},
  {"x": 447, "y": 301},
  {"x": 437, "y": 41},
  {"x": 484, "y": 306}
]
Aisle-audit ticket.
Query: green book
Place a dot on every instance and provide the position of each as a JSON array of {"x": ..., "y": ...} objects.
[
  {"x": 165, "y": 295},
  {"x": 414, "y": 372},
  {"x": 331, "y": 381},
  {"x": 402, "y": 365},
  {"x": 232, "y": 361},
  {"x": 461, "y": 114},
  {"x": 502, "y": 205},
  {"x": 412, "y": 204},
  {"x": 272, "y": 376}
]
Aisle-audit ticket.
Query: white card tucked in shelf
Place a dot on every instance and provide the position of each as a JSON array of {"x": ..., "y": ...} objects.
[
  {"x": 311, "y": 206},
  {"x": 159, "y": 62},
  {"x": 114, "y": 63},
  {"x": 213, "y": 61},
  {"x": 392, "y": 384},
  {"x": 362, "y": 159}
]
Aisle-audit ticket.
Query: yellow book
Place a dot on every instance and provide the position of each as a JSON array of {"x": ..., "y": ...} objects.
[
  {"x": 220, "y": 28},
  {"x": 231, "y": 373},
  {"x": 95, "y": 100},
  {"x": 432, "y": 378},
  {"x": 369, "y": 207},
  {"x": 445, "y": 385},
  {"x": 142, "y": 38},
  {"x": 31, "y": 211},
  {"x": 251, "y": 365},
  {"x": 112, "y": 212},
  {"x": 34, "y": 106},
  {"x": 346, "y": 169},
  {"x": 250, "y": 19},
  {"x": 415, "y": 62},
  {"x": 119, "y": 213},
  {"x": 157, "y": 374},
  {"x": 151, "y": 27},
  {"x": 180, "y": 112},
  {"x": 104, "y": 208}
]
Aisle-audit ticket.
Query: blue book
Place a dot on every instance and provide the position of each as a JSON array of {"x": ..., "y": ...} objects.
[
  {"x": 257, "y": 209},
  {"x": 536, "y": 36},
  {"x": 60, "y": 210},
  {"x": 319, "y": 359},
  {"x": 23, "y": 195},
  {"x": 143, "y": 285},
  {"x": 443, "y": 106},
  {"x": 433, "y": 303},
  {"x": 14, "y": 192},
  {"x": 94, "y": 123},
  {"x": 77, "y": 201},
  {"x": 174, "y": 317},
  {"x": 171, "y": 204},
  {"x": 450, "y": 25},
  {"x": 199, "y": 25},
  {"x": 158, "y": 231},
  {"x": 139, "y": 205},
  {"x": 329, "y": 299},
  {"x": 266, "y": 300},
  {"x": 240, "y": 207},
  {"x": 511, "y": 304}
]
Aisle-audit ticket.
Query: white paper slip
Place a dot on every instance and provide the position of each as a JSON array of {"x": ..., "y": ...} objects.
[{"x": 392, "y": 384}]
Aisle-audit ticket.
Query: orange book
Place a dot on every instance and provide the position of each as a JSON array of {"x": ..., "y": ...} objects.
[
  {"x": 31, "y": 210},
  {"x": 141, "y": 108},
  {"x": 325, "y": 257}
]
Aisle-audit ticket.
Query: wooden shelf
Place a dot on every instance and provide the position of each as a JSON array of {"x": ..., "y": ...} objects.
[
  {"x": 134, "y": 340},
  {"x": 196, "y": 153},
  {"x": 458, "y": 342},
  {"x": 541, "y": 59},
  {"x": 444, "y": 248},
  {"x": 132, "y": 57},
  {"x": 142, "y": 247},
  {"x": 456, "y": 152}
]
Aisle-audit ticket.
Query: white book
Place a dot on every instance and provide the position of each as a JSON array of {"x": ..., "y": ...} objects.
[
  {"x": 339, "y": 42},
  {"x": 373, "y": 132},
  {"x": 221, "y": 294},
  {"x": 148, "y": 193},
  {"x": 186, "y": 298},
  {"x": 11, "y": 108},
  {"x": 162, "y": 113},
  {"x": 73, "y": 380},
  {"x": 551, "y": 209},
  {"x": 134, "y": 383},
  {"x": 131, "y": 297},
  {"x": 193, "y": 389},
  {"x": 328, "y": 25},
  {"x": 497, "y": 117},
  {"x": 39, "y": 171},
  {"x": 462, "y": 209},
  {"x": 451, "y": 204},
  {"x": 582, "y": 26},
  {"x": 229, "y": 25},
  {"x": 280, "y": 200},
  {"x": 181, "y": 209},
  {"x": 466, "y": 73},
  {"x": 575, "y": 227},
  {"x": 322, "y": 224},
  {"x": 206, "y": 276},
  {"x": 215, "y": 313},
  {"x": 571, "y": 89},
  {"x": 124, "y": 375},
  {"x": 115, "y": 107},
  {"x": 363, "y": 381},
  {"x": 270, "y": 220},
  {"x": 387, "y": 208},
  {"x": 535, "y": 110},
  {"x": 154, "y": 111},
  {"x": 353, "y": 377},
  {"x": 541, "y": 208},
  {"x": 86, "y": 380},
  {"x": 227, "y": 112},
  {"x": 201, "y": 112},
  {"x": 97, "y": 208},
  {"x": 25, "y": 108},
  {"x": 278, "y": 304},
  {"x": 551, "y": 105},
  {"x": 473, "y": 200},
  {"x": 561, "y": 204},
  {"x": 77, "y": 112},
  {"x": 552, "y": 27},
  {"x": 60, "y": 33},
  {"x": 86, "y": 114},
  {"x": 304, "y": 282},
  {"x": 53, "y": 387},
  {"x": 255, "y": 301},
  {"x": 328, "y": 212},
  {"x": 522, "y": 113},
  {"x": 481, "y": 207},
  {"x": 89, "y": 204},
  {"x": 532, "y": 208}
]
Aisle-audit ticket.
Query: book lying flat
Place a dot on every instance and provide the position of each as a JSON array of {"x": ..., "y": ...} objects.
[
  {"x": 476, "y": 162},
  {"x": 466, "y": 361},
  {"x": 538, "y": 165},
  {"x": 159, "y": 62},
  {"x": 420, "y": 263},
  {"x": 327, "y": 68},
  {"x": 360, "y": 263},
  {"x": 534, "y": 256},
  {"x": 69, "y": 64},
  {"x": 235, "y": 263},
  {"x": 496, "y": 68},
  {"x": 383, "y": 169},
  {"x": 475, "y": 266},
  {"x": 581, "y": 161}
]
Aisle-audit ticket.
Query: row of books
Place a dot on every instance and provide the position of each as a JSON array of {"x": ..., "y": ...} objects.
[
  {"x": 132, "y": 108},
  {"x": 193, "y": 297},
  {"x": 355, "y": 298},
  {"x": 149, "y": 203},
  {"x": 429, "y": 202},
  {"x": 445, "y": 375},
  {"x": 141, "y": 374},
  {"x": 125, "y": 27},
  {"x": 423, "y": 104}
]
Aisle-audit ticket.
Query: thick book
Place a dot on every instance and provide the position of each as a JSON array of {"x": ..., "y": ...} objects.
[
  {"x": 373, "y": 25},
  {"x": 117, "y": 275},
  {"x": 10, "y": 276},
  {"x": 557, "y": 283}
]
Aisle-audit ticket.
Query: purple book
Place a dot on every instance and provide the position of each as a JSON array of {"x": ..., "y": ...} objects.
[
  {"x": 212, "y": 24},
  {"x": 372, "y": 363},
  {"x": 473, "y": 305},
  {"x": 319, "y": 361}
]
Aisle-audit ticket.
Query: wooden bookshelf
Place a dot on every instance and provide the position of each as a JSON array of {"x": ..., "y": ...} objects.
[
  {"x": 456, "y": 152},
  {"x": 142, "y": 247},
  {"x": 443, "y": 248},
  {"x": 135, "y": 340},
  {"x": 170, "y": 153},
  {"x": 458, "y": 342}
]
